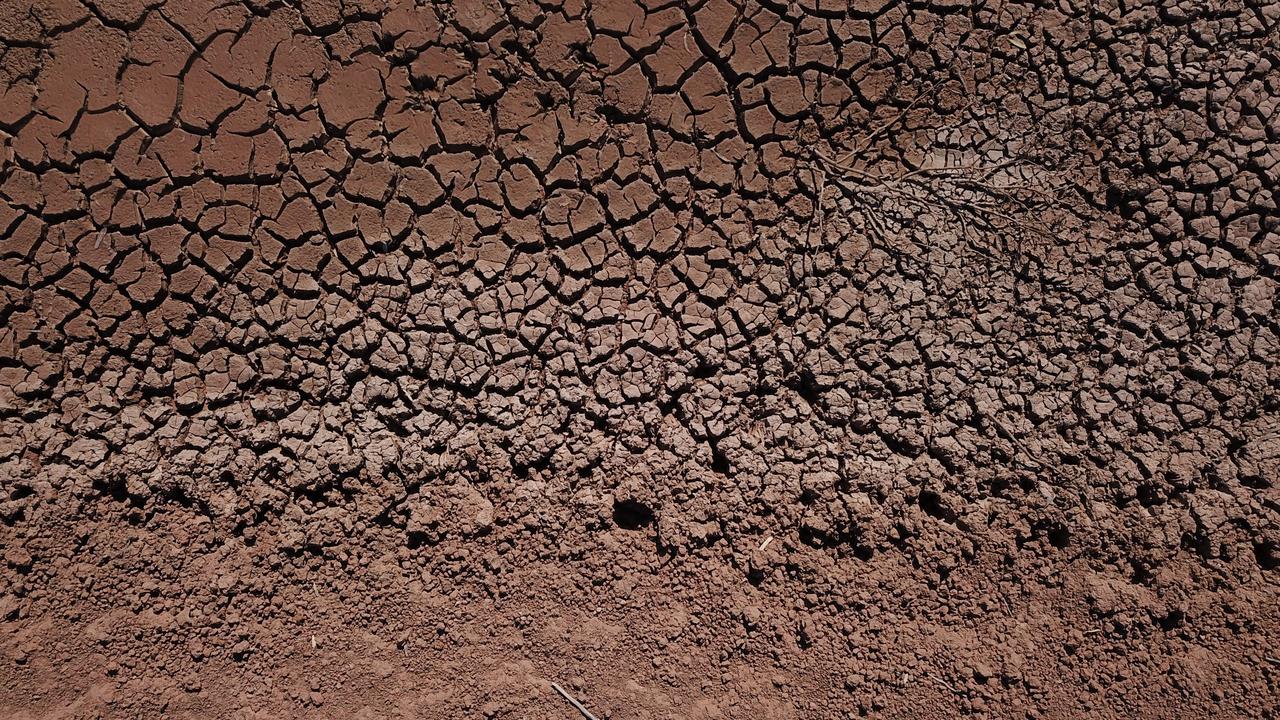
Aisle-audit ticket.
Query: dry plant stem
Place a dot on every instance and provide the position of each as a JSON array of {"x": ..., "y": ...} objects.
[
  {"x": 870, "y": 138},
  {"x": 574, "y": 702}
]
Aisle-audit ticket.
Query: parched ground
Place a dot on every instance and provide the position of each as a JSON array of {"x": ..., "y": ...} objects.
[{"x": 815, "y": 359}]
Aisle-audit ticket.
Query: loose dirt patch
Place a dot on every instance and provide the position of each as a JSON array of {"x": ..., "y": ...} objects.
[{"x": 711, "y": 360}]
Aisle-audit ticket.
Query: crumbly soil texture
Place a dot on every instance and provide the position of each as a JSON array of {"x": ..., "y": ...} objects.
[{"x": 709, "y": 358}]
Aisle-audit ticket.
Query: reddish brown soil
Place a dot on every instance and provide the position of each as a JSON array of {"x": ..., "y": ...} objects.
[{"x": 821, "y": 359}]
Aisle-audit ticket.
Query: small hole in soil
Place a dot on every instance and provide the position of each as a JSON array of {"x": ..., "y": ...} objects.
[
  {"x": 1199, "y": 543},
  {"x": 115, "y": 490},
  {"x": 1149, "y": 495},
  {"x": 632, "y": 515},
  {"x": 611, "y": 113},
  {"x": 1267, "y": 555},
  {"x": 1059, "y": 536},
  {"x": 719, "y": 463},
  {"x": 704, "y": 371},
  {"x": 1142, "y": 572},
  {"x": 806, "y": 386},
  {"x": 1173, "y": 620},
  {"x": 931, "y": 503}
]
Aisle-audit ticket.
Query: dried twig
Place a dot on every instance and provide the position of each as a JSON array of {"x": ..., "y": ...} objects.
[
  {"x": 870, "y": 138},
  {"x": 574, "y": 702},
  {"x": 943, "y": 683}
]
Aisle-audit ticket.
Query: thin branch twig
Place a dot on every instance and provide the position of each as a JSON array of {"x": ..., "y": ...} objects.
[{"x": 574, "y": 702}]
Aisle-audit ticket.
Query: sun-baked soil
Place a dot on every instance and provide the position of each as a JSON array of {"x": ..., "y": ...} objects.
[{"x": 821, "y": 359}]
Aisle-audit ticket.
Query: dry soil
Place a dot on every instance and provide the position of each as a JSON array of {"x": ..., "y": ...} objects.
[{"x": 713, "y": 359}]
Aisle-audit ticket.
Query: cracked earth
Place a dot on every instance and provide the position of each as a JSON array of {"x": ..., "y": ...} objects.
[{"x": 818, "y": 359}]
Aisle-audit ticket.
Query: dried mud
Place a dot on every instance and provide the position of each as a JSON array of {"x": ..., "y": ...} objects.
[{"x": 792, "y": 360}]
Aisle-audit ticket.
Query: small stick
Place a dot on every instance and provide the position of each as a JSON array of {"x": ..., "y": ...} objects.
[
  {"x": 573, "y": 701},
  {"x": 766, "y": 542},
  {"x": 866, "y": 142},
  {"x": 943, "y": 683}
]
